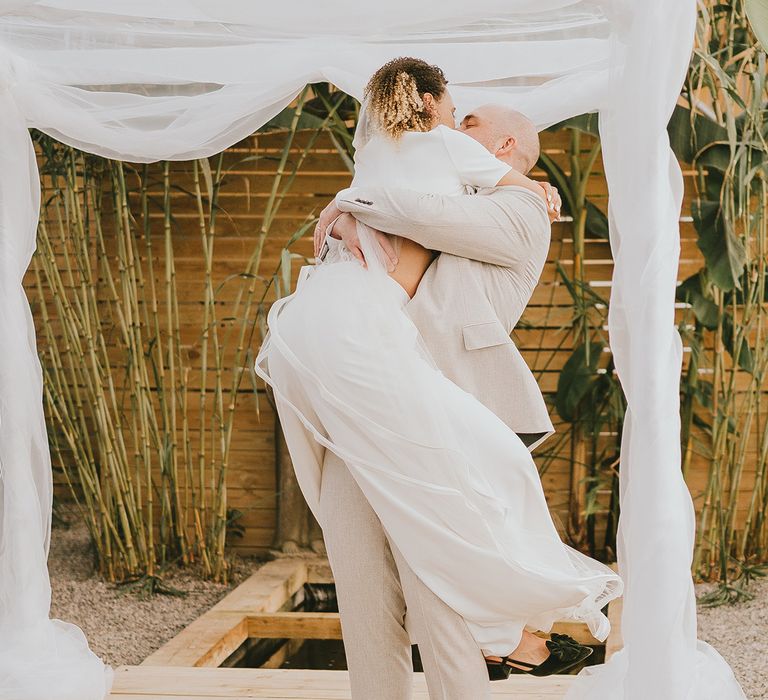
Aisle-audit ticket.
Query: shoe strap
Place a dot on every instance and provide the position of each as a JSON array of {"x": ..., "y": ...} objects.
[{"x": 522, "y": 663}]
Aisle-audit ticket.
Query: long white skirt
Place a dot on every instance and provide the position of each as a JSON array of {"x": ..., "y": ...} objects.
[{"x": 454, "y": 487}]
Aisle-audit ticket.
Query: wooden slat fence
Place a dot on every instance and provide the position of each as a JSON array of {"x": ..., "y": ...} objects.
[{"x": 244, "y": 193}]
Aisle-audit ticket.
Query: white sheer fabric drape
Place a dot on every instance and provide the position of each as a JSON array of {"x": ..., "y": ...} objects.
[{"x": 144, "y": 80}]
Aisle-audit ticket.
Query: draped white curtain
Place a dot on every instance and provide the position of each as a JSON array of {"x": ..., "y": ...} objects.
[{"x": 144, "y": 80}]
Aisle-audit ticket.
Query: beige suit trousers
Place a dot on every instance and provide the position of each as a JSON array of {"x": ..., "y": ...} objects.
[{"x": 375, "y": 587}]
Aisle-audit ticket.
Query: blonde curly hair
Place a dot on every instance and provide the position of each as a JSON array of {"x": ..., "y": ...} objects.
[{"x": 395, "y": 95}]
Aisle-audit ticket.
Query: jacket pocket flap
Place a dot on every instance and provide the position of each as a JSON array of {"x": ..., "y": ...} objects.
[{"x": 483, "y": 335}]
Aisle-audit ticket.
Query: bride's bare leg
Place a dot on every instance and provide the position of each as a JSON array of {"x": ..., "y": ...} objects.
[
  {"x": 532, "y": 649},
  {"x": 413, "y": 260}
]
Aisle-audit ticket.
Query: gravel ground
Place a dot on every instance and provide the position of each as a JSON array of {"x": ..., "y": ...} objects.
[
  {"x": 123, "y": 628},
  {"x": 738, "y": 632}
]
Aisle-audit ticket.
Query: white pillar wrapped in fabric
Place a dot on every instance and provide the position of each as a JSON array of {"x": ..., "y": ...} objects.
[
  {"x": 181, "y": 79},
  {"x": 39, "y": 658}
]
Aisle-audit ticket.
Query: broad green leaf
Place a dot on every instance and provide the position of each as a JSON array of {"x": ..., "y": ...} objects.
[
  {"x": 723, "y": 250},
  {"x": 597, "y": 222},
  {"x": 757, "y": 12},
  {"x": 690, "y": 138},
  {"x": 693, "y": 292},
  {"x": 713, "y": 185},
  {"x": 577, "y": 379},
  {"x": 717, "y": 155}
]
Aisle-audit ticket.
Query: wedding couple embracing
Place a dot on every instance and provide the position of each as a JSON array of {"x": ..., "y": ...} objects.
[{"x": 410, "y": 414}]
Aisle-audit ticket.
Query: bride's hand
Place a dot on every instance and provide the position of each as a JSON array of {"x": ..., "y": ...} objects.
[
  {"x": 326, "y": 217},
  {"x": 544, "y": 190},
  {"x": 345, "y": 228},
  {"x": 553, "y": 200}
]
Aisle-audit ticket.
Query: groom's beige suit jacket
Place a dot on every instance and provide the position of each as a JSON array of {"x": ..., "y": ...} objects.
[{"x": 493, "y": 248}]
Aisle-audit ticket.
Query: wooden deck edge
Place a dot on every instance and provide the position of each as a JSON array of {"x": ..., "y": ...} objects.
[
  {"x": 213, "y": 636},
  {"x": 205, "y": 642},
  {"x": 267, "y": 589}
]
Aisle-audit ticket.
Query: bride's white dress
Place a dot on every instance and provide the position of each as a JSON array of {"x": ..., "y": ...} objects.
[{"x": 454, "y": 487}]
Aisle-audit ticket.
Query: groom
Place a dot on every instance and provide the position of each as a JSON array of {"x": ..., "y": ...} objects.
[{"x": 493, "y": 248}]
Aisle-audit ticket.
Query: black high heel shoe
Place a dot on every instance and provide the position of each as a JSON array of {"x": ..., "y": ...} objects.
[{"x": 564, "y": 653}]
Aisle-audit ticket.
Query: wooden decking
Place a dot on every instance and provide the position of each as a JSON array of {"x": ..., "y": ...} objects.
[
  {"x": 157, "y": 683},
  {"x": 188, "y": 665}
]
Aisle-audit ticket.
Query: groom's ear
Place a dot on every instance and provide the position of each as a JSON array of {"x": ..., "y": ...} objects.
[{"x": 507, "y": 146}]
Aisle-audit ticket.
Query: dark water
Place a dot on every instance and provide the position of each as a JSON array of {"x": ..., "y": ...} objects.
[
  {"x": 328, "y": 654},
  {"x": 317, "y": 654}
]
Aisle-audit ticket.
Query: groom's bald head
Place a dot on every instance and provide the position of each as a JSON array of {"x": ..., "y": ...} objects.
[{"x": 506, "y": 133}]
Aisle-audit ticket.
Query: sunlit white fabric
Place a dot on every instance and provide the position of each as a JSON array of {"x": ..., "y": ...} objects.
[{"x": 145, "y": 80}]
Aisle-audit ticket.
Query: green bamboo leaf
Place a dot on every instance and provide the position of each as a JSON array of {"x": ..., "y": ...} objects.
[
  {"x": 344, "y": 149},
  {"x": 285, "y": 269},
  {"x": 725, "y": 80},
  {"x": 757, "y": 12},
  {"x": 205, "y": 166},
  {"x": 561, "y": 181},
  {"x": 704, "y": 392},
  {"x": 299, "y": 233},
  {"x": 566, "y": 279},
  {"x": 284, "y": 121},
  {"x": 746, "y": 359},
  {"x": 593, "y": 504},
  {"x": 586, "y": 123}
]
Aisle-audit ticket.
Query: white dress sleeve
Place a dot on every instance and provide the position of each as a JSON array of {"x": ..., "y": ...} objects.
[{"x": 475, "y": 165}]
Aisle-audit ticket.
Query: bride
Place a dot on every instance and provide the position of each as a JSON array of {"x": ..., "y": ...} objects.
[{"x": 454, "y": 487}]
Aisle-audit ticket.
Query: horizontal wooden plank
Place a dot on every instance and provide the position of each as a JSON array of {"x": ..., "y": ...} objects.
[
  {"x": 267, "y": 589},
  {"x": 156, "y": 683},
  {"x": 295, "y": 625}
]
